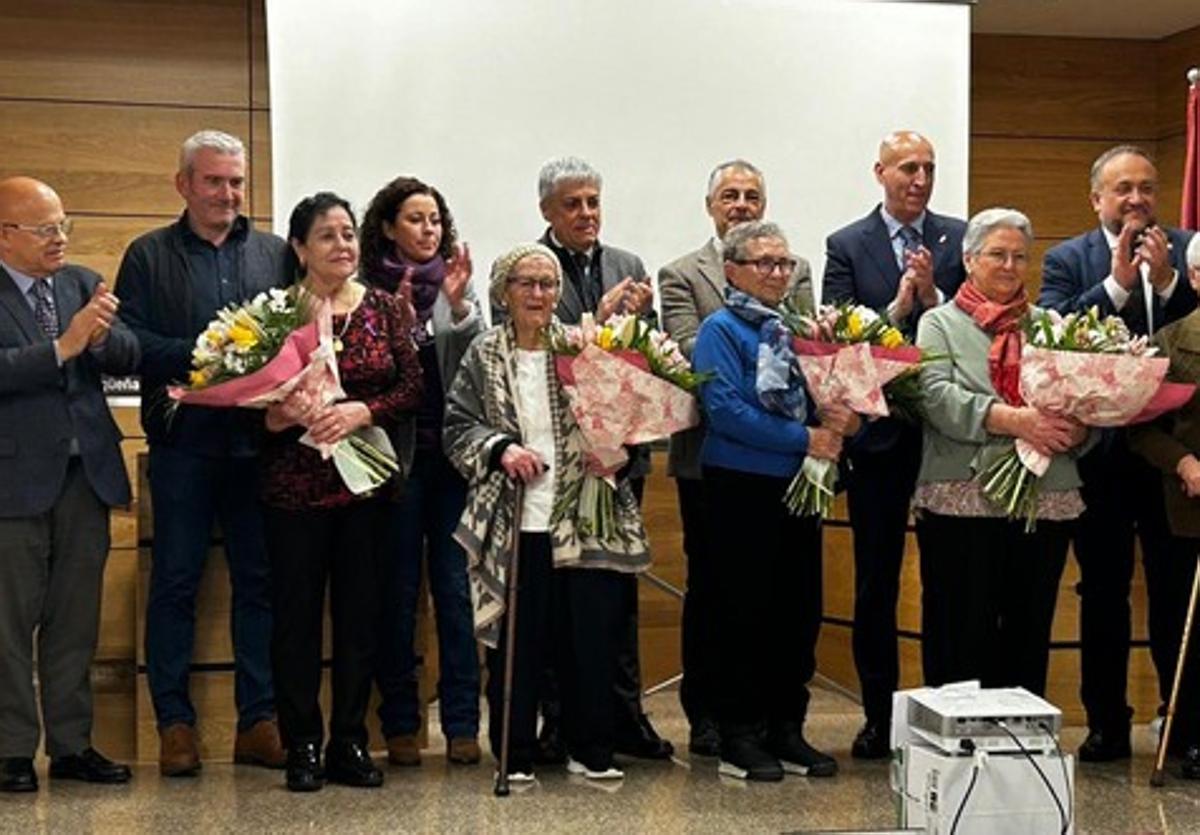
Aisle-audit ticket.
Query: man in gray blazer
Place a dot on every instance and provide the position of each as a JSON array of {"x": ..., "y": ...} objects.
[
  {"x": 60, "y": 472},
  {"x": 692, "y": 287},
  {"x": 602, "y": 280}
]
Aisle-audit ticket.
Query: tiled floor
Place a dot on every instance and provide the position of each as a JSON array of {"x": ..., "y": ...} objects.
[{"x": 679, "y": 796}]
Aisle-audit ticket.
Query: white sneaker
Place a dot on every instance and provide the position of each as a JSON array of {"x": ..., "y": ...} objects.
[
  {"x": 523, "y": 777},
  {"x": 610, "y": 773}
]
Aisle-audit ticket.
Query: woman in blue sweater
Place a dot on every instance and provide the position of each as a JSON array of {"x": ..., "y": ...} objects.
[{"x": 760, "y": 426}]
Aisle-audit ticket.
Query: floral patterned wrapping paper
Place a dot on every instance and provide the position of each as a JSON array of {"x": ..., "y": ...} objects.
[
  {"x": 617, "y": 401},
  {"x": 1101, "y": 390},
  {"x": 852, "y": 375}
]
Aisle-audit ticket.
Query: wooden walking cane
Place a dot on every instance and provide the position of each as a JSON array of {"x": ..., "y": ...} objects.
[
  {"x": 1156, "y": 779},
  {"x": 510, "y": 631}
]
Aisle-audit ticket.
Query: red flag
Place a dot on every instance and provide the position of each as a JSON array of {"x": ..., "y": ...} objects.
[{"x": 1190, "y": 212}]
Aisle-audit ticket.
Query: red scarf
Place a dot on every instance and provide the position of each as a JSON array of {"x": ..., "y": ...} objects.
[{"x": 1002, "y": 322}]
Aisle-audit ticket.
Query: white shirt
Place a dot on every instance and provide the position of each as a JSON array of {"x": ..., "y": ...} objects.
[
  {"x": 1118, "y": 295},
  {"x": 532, "y": 391}
]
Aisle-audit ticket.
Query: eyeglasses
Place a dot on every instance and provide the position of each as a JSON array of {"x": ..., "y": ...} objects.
[
  {"x": 527, "y": 285},
  {"x": 1000, "y": 257},
  {"x": 46, "y": 231},
  {"x": 766, "y": 266}
]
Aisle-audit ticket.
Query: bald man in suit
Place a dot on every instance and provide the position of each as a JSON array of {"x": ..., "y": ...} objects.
[{"x": 60, "y": 472}]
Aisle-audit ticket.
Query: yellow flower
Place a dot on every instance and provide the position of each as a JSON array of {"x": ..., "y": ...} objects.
[
  {"x": 243, "y": 337},
  {"x": 854, "y": 325},
  {"x": 198, "y": 378},
  {"x": 214, "y": 338},
  {"x": 891, "y": 338},
  {"x": 605, "y": 338}
]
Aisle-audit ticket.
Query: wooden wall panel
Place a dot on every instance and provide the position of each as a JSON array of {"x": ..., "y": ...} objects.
[
  {"x": 146, "y": 51},
  {"x": 107, "y": 159},
  {"x": 1061, "y": 87},
  {"x": 1170, "y": 159},
  {"x": 260, "y": 170},
  {"x": 118, "y": 612},
  {"x": 260, "y": 86},
  {"x": 1046, "y": 179},
  {"x": 1174, "y": 56},
  {"x": 99, "y": 241}
]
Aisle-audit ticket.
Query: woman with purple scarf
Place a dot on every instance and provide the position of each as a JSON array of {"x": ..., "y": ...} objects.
[{"x": 408, "y": 248}]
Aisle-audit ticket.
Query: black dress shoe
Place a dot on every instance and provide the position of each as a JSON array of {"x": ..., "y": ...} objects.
[
  {"x": 1105, "y": 745},
  {"x": 349, "y": 763},
  {"x": 91, "y": 766},
  {"x": 871, "y": 743},
  {"x": 1191, "y": 763},
  {"x": 17, "y": 775},
  {"x": 744, "y": 756},
  {"x": 705, "y": 738},
  {"x": 644, "y": 742},
  {"x": 551, "y": 750},
  {"x": 304, "y": 768}
]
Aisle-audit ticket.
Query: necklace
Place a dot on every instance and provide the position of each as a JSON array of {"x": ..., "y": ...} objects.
[{"x": 338, "y": 345}]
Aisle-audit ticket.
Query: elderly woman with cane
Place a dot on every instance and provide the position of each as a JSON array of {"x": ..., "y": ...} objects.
[
  {"x": 508, "y": 423},
  {"x": 1172, "y": 444}
]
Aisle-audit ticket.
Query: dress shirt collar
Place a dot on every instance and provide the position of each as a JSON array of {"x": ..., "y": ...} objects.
[
  {"x": 894, "y": 226},
  {"x": 24, "y": 281}
]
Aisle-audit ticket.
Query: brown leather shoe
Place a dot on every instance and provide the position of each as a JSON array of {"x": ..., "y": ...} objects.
[
  {"x": 463, "y": 750},
  {"x": 178, "y": 756},
  {"x": 260, "y": 745},
  {"x": 404, "y": 750}
]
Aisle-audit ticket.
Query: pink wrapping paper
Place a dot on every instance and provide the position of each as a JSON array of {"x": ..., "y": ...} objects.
[
  {"x": 852, "y": 375},
  {"x": 1101, "y": 390},
  {"x": 617, "y": 401},
  {"x": 291, "y": 360}
]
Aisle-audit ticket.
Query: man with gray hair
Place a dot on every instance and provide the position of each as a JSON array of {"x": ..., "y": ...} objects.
[
  {"x": 602, "y": 280},
  {"x": 692, "y": 287},
  {"x": 1132, "y": 267},
  {"x": 904, "y": 259},
  {"x": 203, "y": 462}
]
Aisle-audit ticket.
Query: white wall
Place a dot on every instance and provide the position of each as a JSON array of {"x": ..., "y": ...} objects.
[{"x": 473, "y": 96}]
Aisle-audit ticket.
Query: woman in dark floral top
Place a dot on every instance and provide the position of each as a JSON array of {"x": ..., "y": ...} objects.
[{"x": 317, "y": 530}]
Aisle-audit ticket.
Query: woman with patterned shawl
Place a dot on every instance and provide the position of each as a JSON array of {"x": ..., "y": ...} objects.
[{"x": 507, "y": 419}]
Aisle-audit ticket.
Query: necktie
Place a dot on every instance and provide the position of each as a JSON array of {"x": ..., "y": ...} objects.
[
  {"x": 587, "y": 288},
  {"x": 44, "y": 312},
  {"x": 911, "y": 238}
]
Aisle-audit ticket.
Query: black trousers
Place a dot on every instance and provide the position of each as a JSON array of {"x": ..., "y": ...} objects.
[
  {"x": 878, "y": 492},
  {"x": 768, "y": 570},
  {"x": 988, "y": 592},
  {"x": 1124, "y": 498},
  {"x": 309, "y": 548},
  {"x": 569, "y": 620},
  {"x": 697, "y": 691},
  {"x": 627, "y": 680}
]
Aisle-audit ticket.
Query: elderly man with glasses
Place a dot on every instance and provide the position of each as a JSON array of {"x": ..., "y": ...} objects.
[{"x": 60, "y": 472}]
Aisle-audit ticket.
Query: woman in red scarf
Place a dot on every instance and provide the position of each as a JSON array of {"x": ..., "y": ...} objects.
[{"x": 988, "y": 588}]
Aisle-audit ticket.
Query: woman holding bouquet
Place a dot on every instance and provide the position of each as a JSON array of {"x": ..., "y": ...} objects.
[
  {"x": 988, "y": 584},
  {"x": 761, "y": 425},
  {"x": 408, "y": 247},
  {"x": 318, "y": 532},
  {"x": 508, "y": 420}
]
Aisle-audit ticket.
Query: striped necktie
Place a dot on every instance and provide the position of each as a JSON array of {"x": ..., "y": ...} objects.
[{"x": 44, "y": 311}]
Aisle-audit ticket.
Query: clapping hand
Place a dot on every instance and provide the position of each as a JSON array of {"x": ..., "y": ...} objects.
[{"x": 458, "y": 278}]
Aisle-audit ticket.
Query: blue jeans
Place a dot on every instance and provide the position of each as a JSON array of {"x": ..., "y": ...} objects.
[
  {"x": 188, "y": 492},
  {"x": 422, "y": 524}
]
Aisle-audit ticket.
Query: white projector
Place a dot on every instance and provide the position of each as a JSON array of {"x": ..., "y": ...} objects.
[{"x": 962, "y": 718}]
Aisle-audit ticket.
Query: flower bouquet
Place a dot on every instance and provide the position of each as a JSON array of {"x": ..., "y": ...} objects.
[
  {"x": 627, "y": 384},
  {"x": 852, "y": 356},
  {"x": 280, "y": 345},
  {"x": 1085, "y": 367}
]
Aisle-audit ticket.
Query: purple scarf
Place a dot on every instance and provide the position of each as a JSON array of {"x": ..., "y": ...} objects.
[{"x": 426, "y": 284}]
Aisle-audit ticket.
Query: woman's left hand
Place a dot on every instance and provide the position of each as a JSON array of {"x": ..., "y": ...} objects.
[
  {"x": 458, "y": 278},
  {"x": 840, "y": 419},
  {"x": 338, "y": 420}
]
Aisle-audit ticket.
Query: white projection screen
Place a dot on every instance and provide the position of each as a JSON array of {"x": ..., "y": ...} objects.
[{"x": 473, "y": 96}]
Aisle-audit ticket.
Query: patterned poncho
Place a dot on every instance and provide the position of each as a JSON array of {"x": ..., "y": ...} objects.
[{"x": 481, "y": 411}]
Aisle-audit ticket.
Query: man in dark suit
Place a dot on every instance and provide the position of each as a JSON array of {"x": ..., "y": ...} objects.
[
  {"x": 1131, "y": 267},
  {"x": 901, "y": 259},
  {"x": 692, "y": 287},
  {"x": 203, "y": 462},
  {"x": 60, "y": 472},
  {"x": 602, "y": 280}
]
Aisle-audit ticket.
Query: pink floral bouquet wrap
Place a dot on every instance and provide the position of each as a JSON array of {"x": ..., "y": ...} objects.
[
  {"x": 298, "y": 365},
  {"x": 627, "y": 384}
]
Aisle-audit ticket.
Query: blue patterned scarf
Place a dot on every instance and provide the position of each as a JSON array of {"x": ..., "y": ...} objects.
[{"x": 778, "y": 381}]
